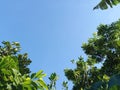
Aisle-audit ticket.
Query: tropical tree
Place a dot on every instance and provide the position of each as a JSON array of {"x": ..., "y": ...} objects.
[
  {"x": 104, "y": 4},
  {"x": 103, "y": 47},
  {"x": 11, "y": 77},
  {"x": 13, "y": 49},
  {"x": 84, "y": 75}
]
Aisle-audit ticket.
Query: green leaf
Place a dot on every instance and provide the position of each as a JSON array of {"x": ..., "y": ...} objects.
[
  {"x": 42, "y": 83},
  {"x": 33, "y": 75},
  {"x": 35, "y": 85},
  {"x": 103, "y": 4},
  {"x": 27, "y": 82},
  {"x": 38, "y": 73},
  {"x": 106, "y": 78}
]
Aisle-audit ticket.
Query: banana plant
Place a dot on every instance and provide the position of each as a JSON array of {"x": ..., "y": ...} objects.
[{"x": 104, "y": 4}]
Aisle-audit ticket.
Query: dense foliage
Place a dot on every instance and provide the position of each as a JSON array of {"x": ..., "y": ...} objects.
[
  {"x": 13, "y": 49},
  {"x": 12, "y": 70},
  {"x": 103, "y": 48},
  {"x": 83, "y": 75}
]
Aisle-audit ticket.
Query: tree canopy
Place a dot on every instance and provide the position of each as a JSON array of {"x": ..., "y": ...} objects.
[
  {"x": 103, "y": 47},
  {"x": 13, "y": 49},
  {"x": 14, "y": 73}
]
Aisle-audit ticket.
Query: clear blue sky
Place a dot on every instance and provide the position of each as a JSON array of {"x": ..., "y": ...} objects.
[{"x": 52, "y": 31}]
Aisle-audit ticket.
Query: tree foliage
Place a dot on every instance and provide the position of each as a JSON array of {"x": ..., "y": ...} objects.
[
  {"x": 65, "y": 85},
  {"x": 104, "y": 4},
  {"x": 53, "y": 78},
  {"x": 103, "y": 47},
  {"x": 11, "y": 77},
  {"x": 13, "y": 49},
  {"x": 83, "y": 75}
]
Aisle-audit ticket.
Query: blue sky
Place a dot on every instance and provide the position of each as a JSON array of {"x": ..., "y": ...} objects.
[{"x": 52, "y": 31}]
